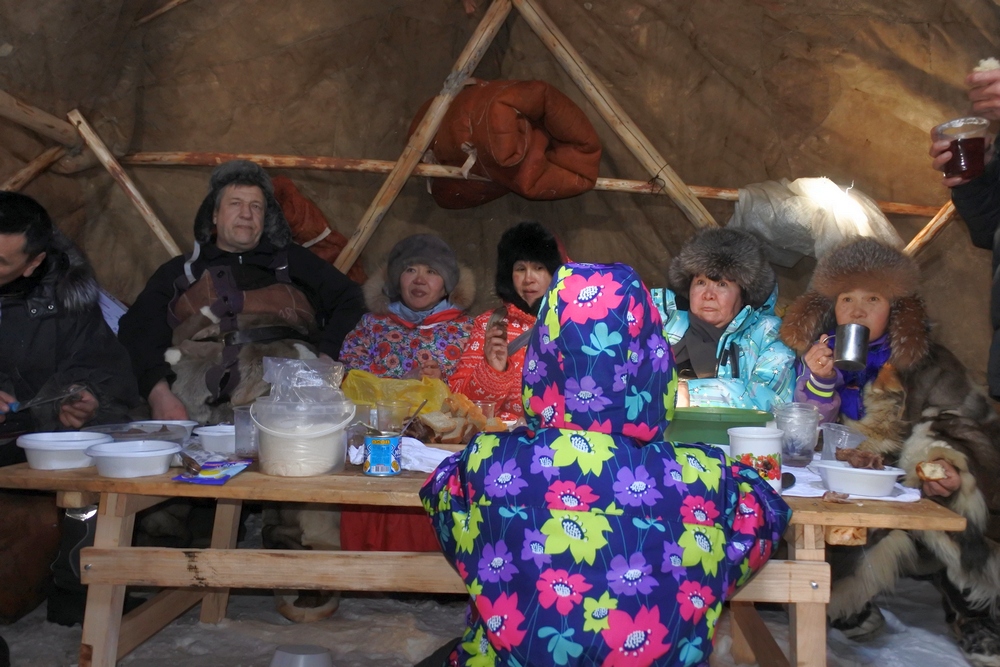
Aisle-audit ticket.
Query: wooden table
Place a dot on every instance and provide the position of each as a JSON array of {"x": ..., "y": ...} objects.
[{"x": 206, "y": 575}]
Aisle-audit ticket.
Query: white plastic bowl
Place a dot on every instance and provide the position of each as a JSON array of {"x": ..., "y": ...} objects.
[
  {"x": 136, "y": 458},
  {"x": 218, "y": 438},
  {"x": 839, "y": 476},
  {"x": 187, "y": 424},
  {"x": 135, "y": 431},
  {"x": 59, "y": 450}
]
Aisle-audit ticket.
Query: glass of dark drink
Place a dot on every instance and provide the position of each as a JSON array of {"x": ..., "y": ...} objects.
[{"x": 967, "y": 137}]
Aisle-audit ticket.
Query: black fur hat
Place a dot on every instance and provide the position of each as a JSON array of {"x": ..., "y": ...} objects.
[
  {"x": 527, "y": 241},
  {"x": 242, "y": 172},
  {"x": 725, "y": 253}
]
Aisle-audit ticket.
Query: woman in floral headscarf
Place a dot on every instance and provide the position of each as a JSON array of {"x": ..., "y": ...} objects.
[{"x": 584, "y": 538}]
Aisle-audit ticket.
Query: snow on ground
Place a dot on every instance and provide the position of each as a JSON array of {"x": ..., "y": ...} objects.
[{"x": 392, "y": 632}]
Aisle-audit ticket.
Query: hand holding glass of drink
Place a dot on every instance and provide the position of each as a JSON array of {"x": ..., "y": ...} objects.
[{"x": 959, "y": 149}]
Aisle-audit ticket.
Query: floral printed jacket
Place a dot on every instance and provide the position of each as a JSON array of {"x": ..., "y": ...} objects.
[
  {"x": 763, "y": 375},
  {"x": 475, "y": 378},
  {"x": 583, "y": 538}
]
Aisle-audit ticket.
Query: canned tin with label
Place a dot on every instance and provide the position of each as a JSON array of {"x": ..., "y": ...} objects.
[{"x": 381, "y": 455}]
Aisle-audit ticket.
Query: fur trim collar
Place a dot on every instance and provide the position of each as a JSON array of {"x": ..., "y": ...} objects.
[
  {"x": 65, "y": 280},
  {"x": 378, "y": 301}
]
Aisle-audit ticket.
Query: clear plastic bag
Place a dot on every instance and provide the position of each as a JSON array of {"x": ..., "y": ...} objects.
[
  {"x": 808, "y": 216},
  {"x": 304, "y": 380}
]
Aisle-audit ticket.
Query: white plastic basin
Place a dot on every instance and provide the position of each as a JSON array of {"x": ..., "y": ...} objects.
[
  {"x": 136, "y": 458},
  {"x": 841, "y": 477},
  {"x": 59, "y": 450}
]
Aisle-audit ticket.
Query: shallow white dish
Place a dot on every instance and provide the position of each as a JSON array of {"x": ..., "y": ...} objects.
[
  {"x": 136, "y": 458},
  {"x": 218, "y": 438},
  {"x": 134, "y": 431},
  {"x": 839, "y": 476},
  {"x": 59, "y": 450},
  {"x": 187, "y": 424}
]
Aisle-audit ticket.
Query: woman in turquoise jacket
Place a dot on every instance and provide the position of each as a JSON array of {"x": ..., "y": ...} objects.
[{"x": 720, "y": 323}]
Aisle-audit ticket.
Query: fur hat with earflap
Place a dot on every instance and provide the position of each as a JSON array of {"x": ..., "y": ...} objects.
[
  {"x": 870, "y": 265},
  {"x": 241, "y": 172},
  {"x": 525, "y": 242},
  {"x": 725, "y": 253}
]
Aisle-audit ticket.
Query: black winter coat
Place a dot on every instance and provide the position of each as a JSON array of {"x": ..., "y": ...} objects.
[
  {"x": 978, "y": 202},
  {"x": 146, "y": 333},
  {"x": 52, "y": 335}
]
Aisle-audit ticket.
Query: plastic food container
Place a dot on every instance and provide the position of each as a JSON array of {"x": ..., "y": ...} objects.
[
  {"x": 841, "y": 477},
  {"x": 60, "y": 450},
  {"x": 138, "y": 458},
  {"x": 142, "y": 431},
  {"x": 218, "y": 438},
  {"x": 187, "y": 424},
  {"x": 711, "y": 425},
  {"x": 302, "y": 439}
]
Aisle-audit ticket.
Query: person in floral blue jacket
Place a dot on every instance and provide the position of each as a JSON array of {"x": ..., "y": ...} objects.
[{"x": 584, "y": 538}]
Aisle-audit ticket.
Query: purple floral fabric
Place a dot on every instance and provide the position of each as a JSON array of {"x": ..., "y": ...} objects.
[{"x": 584, "y": 539}]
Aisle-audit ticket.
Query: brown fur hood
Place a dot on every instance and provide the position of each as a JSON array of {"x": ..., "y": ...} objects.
[
  {"x": 378, "y": 301},
  {"x": 862, "y": 264}
]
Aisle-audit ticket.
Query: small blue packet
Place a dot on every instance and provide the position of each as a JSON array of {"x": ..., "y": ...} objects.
[{"x": 215, "y": 473}]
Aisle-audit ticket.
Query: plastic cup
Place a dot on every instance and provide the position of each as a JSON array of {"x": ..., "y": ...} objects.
[
  {"x": 967, "y": 147},
  {"x": 799, "y": 424},
  {"x": 391, "y": 415},
  {"x": 488, "y": 408},
  {"x": 246, "y": 432},
  {"x": 838, "y": 436},
  {"x": 760, "y": 448}
]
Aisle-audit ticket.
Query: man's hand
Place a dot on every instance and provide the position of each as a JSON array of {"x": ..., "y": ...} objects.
[
  {"x": 80, "y": 409},
  {"x": 943, "y": 487},
  {"x": 984, "y": 93},
  {"x": 495, "y": 349},
  {"x": 430, "y": 369},
  {"x": 164, "y": 404},
  {"x": 5, "y": 401},
  {"x": 819, "y": 360}
]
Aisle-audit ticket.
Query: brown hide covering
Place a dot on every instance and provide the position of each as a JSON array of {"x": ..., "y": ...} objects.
[
  {"x": 308, "y": 222},
  {"x": 29, "y": 541},
  {"x": 528, "y": 138},
  {"x": 730, "y": 92}
]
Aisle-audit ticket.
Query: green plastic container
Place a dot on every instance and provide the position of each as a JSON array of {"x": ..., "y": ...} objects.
[{"x": 711, "y": 425}]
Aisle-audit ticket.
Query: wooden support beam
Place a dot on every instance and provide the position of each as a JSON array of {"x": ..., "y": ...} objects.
[
  {"x": 162, "y": 10},
  {"x": 750, "y": 632},
  {"x": 422, "y": 136},
  {"x": 931, "y": 230},
  {"x": 30, "y": 171},
  {"x": 186, "y": 158},
  {"x": 613, "y": 113},
  {"x": 153, "y": 615},
  {"x": 38, "y": 121},
  {"x": 111, "y": 164}
]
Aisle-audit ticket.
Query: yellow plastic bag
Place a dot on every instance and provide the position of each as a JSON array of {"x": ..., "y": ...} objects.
[{"x": 364, "y": 387}]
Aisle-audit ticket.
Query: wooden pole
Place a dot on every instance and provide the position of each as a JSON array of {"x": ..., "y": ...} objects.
[
  {"x": 931, "y": 230},
  {"x": 38, "y": 121},
  {"x": 613, "y": 113},
  {"x": 162, "y": 10},
  {"x": 28, "y": 172},
  {"x": 111, "y": 164},
  {"x": 442, "y": 171},
  {"x": 422, "y": 136}
]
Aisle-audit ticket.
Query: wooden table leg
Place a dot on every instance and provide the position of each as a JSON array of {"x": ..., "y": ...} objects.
[
  {"x": 224, "y": 531},
  {"x": 807, "y": 621},
  {"x": 103, "y": 616}
]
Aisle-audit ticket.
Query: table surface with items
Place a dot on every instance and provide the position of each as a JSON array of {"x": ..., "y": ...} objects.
[{"x": 190, "y": 576}]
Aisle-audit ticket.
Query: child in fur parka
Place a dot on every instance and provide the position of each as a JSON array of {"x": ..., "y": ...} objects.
[{"x": 915, "y": 403}]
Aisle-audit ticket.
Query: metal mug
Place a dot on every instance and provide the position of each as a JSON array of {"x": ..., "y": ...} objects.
[{"x": 850, "y": 351}]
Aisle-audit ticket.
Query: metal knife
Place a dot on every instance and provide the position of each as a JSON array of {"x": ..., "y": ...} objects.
[{"x": 73, "y": 390}]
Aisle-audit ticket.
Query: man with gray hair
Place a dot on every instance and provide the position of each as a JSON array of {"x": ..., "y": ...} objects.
[{"x": 198, "y": 331}]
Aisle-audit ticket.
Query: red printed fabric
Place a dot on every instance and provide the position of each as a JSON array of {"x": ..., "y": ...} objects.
[{"x": 481, "y": 382}]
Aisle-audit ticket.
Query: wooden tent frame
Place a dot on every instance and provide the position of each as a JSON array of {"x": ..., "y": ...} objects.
[{"x": 664, "y": 180}]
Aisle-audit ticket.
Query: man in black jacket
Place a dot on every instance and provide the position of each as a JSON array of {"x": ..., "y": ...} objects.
[
  {"x": 978, "y": 202},
  {"x": 197, "y": 331},
  {"x": 52, "y": 333}
]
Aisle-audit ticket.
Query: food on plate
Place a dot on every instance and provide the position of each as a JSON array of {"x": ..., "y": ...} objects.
[
  {"x": 986, "y": 64},
  {"x": 454, "y": 424},
  {"x": 861, "y": 459},
  {"x": 929, "y": 471}
]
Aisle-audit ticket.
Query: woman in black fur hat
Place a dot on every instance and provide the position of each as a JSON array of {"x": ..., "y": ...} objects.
[
  {"x": 490, "y": 369},
  {"x": 719, "y": 319}
]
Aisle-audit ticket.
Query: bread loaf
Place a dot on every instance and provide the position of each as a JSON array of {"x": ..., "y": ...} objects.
[{"x": 930, "y": 471}]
